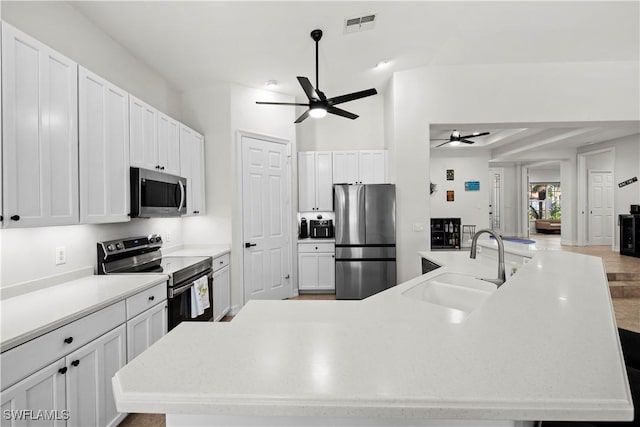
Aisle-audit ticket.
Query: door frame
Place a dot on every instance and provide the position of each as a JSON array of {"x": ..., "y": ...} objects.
[
  {"x": 492, "y": 171},
  {"x": 583, "y": 189},
  {"x": 239, "y": 241}
]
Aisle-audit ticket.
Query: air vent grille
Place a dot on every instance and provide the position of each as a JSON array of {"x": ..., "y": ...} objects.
[{"x": 359, "y": 23}]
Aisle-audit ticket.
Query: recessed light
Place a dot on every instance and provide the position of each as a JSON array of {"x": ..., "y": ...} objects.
[
  {"x": 270, "y": 84},
  {"x": 383, "y": 63}
]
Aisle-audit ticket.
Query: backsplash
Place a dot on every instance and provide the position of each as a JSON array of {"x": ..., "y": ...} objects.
[{"x": 30, "y": 253}]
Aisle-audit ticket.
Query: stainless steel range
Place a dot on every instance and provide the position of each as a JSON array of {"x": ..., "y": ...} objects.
[{"x": 142, "y": 255}]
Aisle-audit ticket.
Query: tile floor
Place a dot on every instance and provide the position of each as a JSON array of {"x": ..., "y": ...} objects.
[{"x": 626, "y": 307}]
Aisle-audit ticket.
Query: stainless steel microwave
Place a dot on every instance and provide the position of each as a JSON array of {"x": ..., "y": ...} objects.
[{"x": 157, "y": 194}]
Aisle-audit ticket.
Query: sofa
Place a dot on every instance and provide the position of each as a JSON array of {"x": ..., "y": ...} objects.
[{"x": 551, "y": 226}]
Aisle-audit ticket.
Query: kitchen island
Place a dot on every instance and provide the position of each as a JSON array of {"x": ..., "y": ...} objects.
[{"x": 543, "y": 346}]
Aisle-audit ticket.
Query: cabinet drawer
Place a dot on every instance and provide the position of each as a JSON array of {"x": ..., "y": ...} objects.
[
  {"x": 27, "y": 358},
  {"x": 220, "y": 262},
  {"x": 316, "y": 247},
  {"x": 146, "y": 299}
]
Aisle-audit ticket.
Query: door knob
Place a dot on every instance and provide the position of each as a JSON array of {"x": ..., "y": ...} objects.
[
  {"x": 15, "y": 217},
  {"x": 287, "y": 276},
  {"x": 249, "y": 244}
]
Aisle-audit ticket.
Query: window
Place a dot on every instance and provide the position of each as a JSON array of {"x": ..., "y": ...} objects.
[{"x": 545, "y": 200}]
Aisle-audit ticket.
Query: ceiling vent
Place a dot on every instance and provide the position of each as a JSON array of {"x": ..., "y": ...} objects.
[{"x": 359, "y": 23}]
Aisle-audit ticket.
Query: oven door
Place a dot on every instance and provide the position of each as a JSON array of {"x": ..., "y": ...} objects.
[
  {"x": 156, "y": 194},
  {"x": 179, "y": 302}
]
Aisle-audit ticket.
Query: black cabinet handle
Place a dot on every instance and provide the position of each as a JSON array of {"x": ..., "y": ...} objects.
[
  {"x": 1, "y": 218},
  {"x": 68, "y": 340},
  {"x": 157, "y": 166},
  {"x": 75, "y": 363},
  {"x": 151, "y": 298},
  {"x": 15, "y": 217},
  {"x": 161, "y": 168},
  {"x": 196, "y": 212},
  {"x": 63, "y": 370},
  {"x": 221, "y": 262}
]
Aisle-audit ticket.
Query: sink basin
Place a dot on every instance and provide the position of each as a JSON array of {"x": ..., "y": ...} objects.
[{"x": 452, "y": 290}]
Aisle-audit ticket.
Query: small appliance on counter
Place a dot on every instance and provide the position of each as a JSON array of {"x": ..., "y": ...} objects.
[
  {"x": 303, "y": 233},
  {"x": 635, "y": 210},
  {"x": 321, "y": 228}
]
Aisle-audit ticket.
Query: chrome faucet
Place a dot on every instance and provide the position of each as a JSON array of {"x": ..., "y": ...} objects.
[{"x": 474, "y": 245}]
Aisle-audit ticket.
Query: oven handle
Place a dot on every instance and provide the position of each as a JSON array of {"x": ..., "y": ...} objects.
[
  {"x": 174, "y": 292},
  {"x": 181, "y": 195}
]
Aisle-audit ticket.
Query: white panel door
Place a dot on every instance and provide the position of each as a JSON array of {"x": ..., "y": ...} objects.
[
  {"x": 373, "y": 167},
  {"x": 221, "y": 293},
  {"x": 345, "y": 167},
  {"x": 600, "y": 208},
  {"x": 91, "y": 367},
  {"x": 306, "y": 181},
  {"x": 44, "y": 390},
  {"x": 307, "y": 271},
  {"x": 266, "y": 219},
  {"x": 40, "y": 133},
  {"x": 103, "y": 116},
  {"x": 145, "y": 329},
  {"x": 324, "y": 181},
  {"x": 326, "y": 271},
  {"x": 168, "y": 135},
  {"x": 143, "y": 134}
]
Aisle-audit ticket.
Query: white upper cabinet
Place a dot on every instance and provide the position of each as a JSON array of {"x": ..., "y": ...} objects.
[
  {"x": 360, "y": 167},
  {"x": 143, "y": 134},
  {"x": 168, "y": 144},
  {"x": 103, "y": 114},
  {"x": 315, "y": 186},
  {"x": 40, "y": 133},
  {"x": 192, "y": 168}
]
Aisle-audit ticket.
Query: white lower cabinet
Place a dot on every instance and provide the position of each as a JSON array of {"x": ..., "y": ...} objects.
[
  {"x": 90, "y": 369},
  {"x": 145, "y": 329},
  {"x": 43, "y": 390},
  {"x": 221, "y": 293},
  {"x": 316, "y": 267}
]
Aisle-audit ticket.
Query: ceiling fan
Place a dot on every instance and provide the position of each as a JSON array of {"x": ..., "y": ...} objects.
[
  {"x": 319, "y": 105},
  {"x": 455, "y": 138}
]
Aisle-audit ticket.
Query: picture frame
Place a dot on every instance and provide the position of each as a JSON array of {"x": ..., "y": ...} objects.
[
  {"x": 450, "y": 196},
  {"x": 450, "y": 174}
]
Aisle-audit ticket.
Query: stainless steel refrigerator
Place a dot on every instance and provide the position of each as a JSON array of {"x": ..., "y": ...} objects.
[{"x": 365, "y": 232}]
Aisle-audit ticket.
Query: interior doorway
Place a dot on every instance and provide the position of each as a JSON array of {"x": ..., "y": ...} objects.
[
  {"x": 600, "y": 219},
  {"x": 266, "y": 217},
  {"x": 496, "y": 199}
]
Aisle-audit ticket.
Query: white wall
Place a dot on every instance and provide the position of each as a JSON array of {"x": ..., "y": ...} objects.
[
  {"x": 472, "y": 207},
  {"x": 544, "y": 175},
  {"x": 338, "y": 133},
  {"x": 28, "y": 254},
  {"x": 59, "y": 25},
  {"x": 513, "y": 93},
  {"x": 601, "y": 161}
]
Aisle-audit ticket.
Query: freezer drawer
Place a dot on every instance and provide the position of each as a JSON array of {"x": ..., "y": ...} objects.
[
  {"x": 358, "y": 279},
  {"x": 384, "y": 253}
]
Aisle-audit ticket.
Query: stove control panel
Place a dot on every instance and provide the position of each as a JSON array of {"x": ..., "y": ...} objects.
[{"x": 128, "y": 246}]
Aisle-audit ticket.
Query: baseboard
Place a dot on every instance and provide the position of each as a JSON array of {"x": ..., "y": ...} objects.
[
  {"x": 235, "y": 309},
  {"x": 44, "y": 282}
]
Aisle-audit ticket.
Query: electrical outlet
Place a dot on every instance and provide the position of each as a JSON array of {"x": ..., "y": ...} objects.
[
  {"x": 61, "y": 255},
  {"x": 418, "y": 226}
]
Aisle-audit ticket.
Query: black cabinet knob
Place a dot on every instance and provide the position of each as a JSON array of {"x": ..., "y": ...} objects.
[
  {"x": 68, "y": 340},
  {"x": 15, "y": 217},
  {"x": 75, "y": 363},
  {"x": 151, "y": 298},
  {"x": 63, "y": 370},
  {"x": 161, "y": 168},
  {"x": 157, "y": 166}
]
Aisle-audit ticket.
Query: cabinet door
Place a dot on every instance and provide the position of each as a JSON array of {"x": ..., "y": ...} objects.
[
  {"x": 326, "y": 271},
  {"x": 373, "y": 167},
  {"x": 345, "y": 167},
  {"x": 44, "y": 390},
  {"x": 306, "y": 181},
  {"x": 324, "y": 181},
  {"x": 90, "y": 369},
  {"x": 103, "y": 116},
  {"x": 197, "y": 164},
  {"x": 168, "y": 144},
  {"x": 40, "y": 133},
  {"x": 221, "y": 293},
  {"x": 143, "y": 134},
  {"x": 145, "y": 329},
  {"x": 308, "y": 271}
]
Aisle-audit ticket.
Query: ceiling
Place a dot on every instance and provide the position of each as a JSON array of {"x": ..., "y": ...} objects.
[
  {"x": 530, "y": 142},
  {"x": 193, "y": 43}
]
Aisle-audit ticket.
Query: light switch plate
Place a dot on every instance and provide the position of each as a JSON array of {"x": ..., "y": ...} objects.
[
  {"x": 418, "y": 226},
  {"x": 61, "y": 255}
]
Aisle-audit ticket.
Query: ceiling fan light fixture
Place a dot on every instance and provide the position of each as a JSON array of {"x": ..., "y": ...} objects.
[
  {"x": 271, "y": 84},
  {"x": 317, "y": 112},
  {"x": 382, "y": 64},
  {"x": 455, "y": 142}
]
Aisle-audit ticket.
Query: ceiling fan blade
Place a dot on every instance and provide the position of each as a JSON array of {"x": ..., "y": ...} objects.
[
  {"x": 341, "y": 112},
  {"x": 444, "y": 143},
  {"x": 351, "y": 96},
  {"x": 281, "y": 103},
  {"x": 473, "y": 135},
  {"x": 440, "y": 139},
  {"x": 308, "y": 88},
  {"x": 466, "y": 141},
  {"x": 302, "y": 117}
]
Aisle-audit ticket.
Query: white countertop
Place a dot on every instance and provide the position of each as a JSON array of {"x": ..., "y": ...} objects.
[
  {"x": 199, "y": 250},
  {"x": 30, "y": 315},
  {"x": 542, "y": 346},
  {"x": 317, "y": 240}
]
